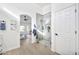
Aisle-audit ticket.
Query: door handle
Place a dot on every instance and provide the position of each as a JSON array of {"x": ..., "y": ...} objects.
[{"x": 56, "y": 34}]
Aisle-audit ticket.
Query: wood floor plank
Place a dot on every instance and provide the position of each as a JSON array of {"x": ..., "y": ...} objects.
[{"x": 31, "y": 49}]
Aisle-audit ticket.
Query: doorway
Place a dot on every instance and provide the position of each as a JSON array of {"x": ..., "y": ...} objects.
[
  {"x": 44, "y": 27},
  {"x": 25, "y": 29}
]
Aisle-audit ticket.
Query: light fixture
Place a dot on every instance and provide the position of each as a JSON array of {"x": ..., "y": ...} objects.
[{"x": 25, "y": 18}]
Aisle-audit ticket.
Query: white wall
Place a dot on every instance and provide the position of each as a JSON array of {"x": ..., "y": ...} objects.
[{"x": 10, "y": 37}]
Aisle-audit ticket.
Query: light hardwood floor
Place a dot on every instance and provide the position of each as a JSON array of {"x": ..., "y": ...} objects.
[{"x": 31, "y": 49}]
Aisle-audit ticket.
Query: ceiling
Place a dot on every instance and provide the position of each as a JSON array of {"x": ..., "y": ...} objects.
[
  {"x": 16, "y": 9},
  {"x": 26, "y": 4},
  {"x": 43, "y": 4}
]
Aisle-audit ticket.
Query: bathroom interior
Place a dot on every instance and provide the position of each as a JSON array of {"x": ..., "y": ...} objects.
[{"x": 44, "y": 28}]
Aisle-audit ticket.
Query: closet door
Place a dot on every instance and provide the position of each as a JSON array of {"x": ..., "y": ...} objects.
[{"x": 65, "y": 31}]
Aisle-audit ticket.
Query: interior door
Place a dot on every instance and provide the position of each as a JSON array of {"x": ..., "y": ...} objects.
[{"x": 65, "y": 31}]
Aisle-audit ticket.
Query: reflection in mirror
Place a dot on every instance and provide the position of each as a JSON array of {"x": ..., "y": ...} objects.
[{"x": 43, "y": 25}]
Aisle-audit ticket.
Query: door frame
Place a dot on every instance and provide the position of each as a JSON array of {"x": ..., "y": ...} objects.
[
  {"x": 77, "y": 28},
  {"x": 24, "y": 24}
]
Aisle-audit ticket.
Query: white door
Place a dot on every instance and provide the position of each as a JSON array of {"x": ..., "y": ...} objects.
[{"x": 65, "y": 31}]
